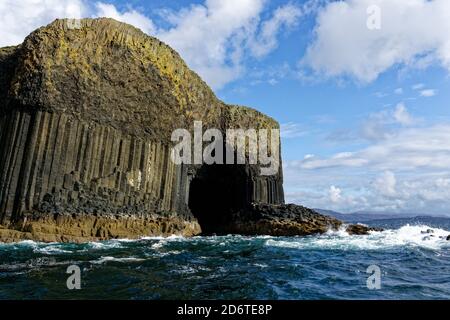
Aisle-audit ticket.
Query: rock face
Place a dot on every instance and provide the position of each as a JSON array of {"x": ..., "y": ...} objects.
[
  {"x": 278, "y": 220},
  {"x": 359, "y": 229},
  {"x": 87, "y": 109}
]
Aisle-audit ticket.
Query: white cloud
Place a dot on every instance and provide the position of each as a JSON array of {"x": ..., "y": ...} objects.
[
  {"x": 344, "y": 46},
  {"x": 428, "y": 93},
  {"x": 374, "y": 128},
  {"x": 335, "y": 194},
  {"x": 215, "y": 38},
  {"x": 398, "y": 91},
  {"x": 267, "y": 40},
  {"x": 402, "y": 116},
  {"x": 211, "y": 36},
  {"x": 407, "y": 149},
  {"x": 380, "y": 125},
  {"x": 19, "y": 18},
  {"x": 418, "y": 86},
  {"x": 380, "y": 94},
  {"x": 132, "y": 17},
  {"x": 442, "y": 183},
  {"x": 386, "y": 183},
  {"x": 292, "y": 130},
  {"x": 409, "y": 172},
  {"x": 271, "y": 74},
  {"x": 396, "y": 189}
]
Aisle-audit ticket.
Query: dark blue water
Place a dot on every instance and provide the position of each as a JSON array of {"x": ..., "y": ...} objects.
[{"x": 414, "y": 265}]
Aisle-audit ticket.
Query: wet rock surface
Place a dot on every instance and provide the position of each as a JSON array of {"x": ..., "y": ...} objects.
[
  {"x": 359, "y": 229},
  {"x": 280, "y": 220}
]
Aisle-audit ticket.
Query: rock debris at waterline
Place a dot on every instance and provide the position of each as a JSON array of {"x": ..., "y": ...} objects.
[{"x": 86, "y": 116}]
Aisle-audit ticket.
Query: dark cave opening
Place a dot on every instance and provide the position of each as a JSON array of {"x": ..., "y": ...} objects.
[{"x": 215, "y": 192}]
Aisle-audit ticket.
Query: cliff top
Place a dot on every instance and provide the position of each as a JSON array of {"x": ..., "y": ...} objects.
[{"x": 110, "y": 72}]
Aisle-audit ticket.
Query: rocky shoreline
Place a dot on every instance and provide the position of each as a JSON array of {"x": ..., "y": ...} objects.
[
  {"x": 256, "y": 219},
  {"x": 87, "y": 228},
  {"x": 280, "y": 220}
]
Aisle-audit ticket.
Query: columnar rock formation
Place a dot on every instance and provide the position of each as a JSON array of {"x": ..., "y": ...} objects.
[{"x": 86, "y": 115}]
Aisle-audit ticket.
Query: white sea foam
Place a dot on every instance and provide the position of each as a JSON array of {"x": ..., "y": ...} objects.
[
  {"x": 162, "y": 254},
  {"x": 185, "y": 270},
  {"x": 50, "y": 250},
  {"x": 261, "y": 265},
  {"x": 105, "y": 244},
  {"x": 170, "y": 238},
  {"x": 102, "y": 260},
  {"x": 408, "y": 235},
  {"x": 157, "y": 245},
  {"x": 27, "y": 244},
  {"x": 125, "y": 240}
]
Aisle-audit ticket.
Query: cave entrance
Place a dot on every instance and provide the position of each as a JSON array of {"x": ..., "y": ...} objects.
[{"x": 215, "y": 192}]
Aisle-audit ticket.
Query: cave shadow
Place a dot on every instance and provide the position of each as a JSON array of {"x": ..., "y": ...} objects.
[{"x": 215, "y": 192}]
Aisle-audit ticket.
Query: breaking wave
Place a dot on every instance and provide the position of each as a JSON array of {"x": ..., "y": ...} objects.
[
  {"x": 409, "y": 235},
  {"x": 102, "y": 260}
]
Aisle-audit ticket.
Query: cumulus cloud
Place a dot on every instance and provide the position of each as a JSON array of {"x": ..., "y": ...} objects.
[
  {"x": 428, "y": 93},
  {"x": 408, "y": 149},
  {"x": 421, "y": 193},
  {"x": 132, "y": 17},
  {"x": 211, "y": 36},
  {"x": 385, "y": 184},
  {"x": 398, "y": 91},
  {"x": 380, "y": 125},
  {"x": 19, "y": 18},
  {"x": 406, "y": 173},
  {"x": 335, "y": 194},
  {"x": 284, "y": 17},
  {"x": 402, "y": 116},
  {"x": 217, "y": 36},
  {"x": 344, "y": 46}
]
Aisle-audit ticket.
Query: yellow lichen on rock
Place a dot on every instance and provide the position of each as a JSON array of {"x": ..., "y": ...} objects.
[{"x": 90, "y": 228}]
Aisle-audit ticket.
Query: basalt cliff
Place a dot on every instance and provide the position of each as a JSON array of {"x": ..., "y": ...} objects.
[{"x": 87, "y": 109}]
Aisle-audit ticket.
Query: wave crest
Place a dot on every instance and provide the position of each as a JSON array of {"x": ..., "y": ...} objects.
[{"x": 408, "y": 235}]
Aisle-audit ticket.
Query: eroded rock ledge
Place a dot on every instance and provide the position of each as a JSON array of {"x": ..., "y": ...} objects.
[
  {"x": 86, "y": 116},
  {"x": 280, "y": 220},
  {"x": 85, "y": 227}
]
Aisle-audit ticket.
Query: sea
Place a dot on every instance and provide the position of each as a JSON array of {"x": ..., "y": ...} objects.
[{"x": 409, "y": 260}]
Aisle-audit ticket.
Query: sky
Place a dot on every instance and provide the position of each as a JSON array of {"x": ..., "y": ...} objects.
[{"x": 360, "y": 87}]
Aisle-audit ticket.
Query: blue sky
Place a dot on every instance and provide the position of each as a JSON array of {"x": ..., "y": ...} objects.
[{"x": 364, "y": 112}]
